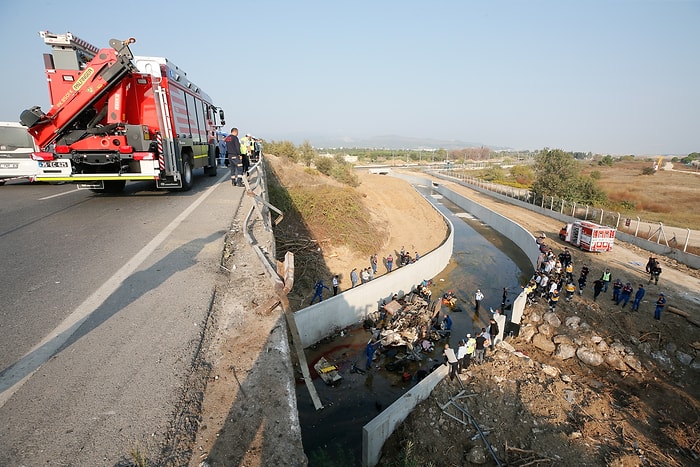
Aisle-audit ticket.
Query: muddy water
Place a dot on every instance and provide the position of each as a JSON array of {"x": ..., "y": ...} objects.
[{"x": 482, "y": 259}]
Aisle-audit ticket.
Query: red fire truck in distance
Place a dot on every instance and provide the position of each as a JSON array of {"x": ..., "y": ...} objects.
[
  {"x": 588, "y": 236},
  {"x": 116, "y": 118}
]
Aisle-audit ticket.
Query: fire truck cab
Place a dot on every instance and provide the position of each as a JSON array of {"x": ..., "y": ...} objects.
[{"x": 116, "y": 118}]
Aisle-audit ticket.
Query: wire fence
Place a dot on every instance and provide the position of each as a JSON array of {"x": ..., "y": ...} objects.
[{"x": 682, "y": 239}]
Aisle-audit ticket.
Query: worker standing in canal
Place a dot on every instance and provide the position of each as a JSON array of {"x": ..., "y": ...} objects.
[
  {"x": 478, "y": 297},
  {"x": 369, "y": 351}
]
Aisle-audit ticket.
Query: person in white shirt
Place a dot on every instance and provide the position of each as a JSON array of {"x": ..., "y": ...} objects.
[
  {"x": 478, "y": 297},
  {"x": 335, "y": 285},
  {"x": 451, "y": 360},
  {"x": 461, "y": 353}
]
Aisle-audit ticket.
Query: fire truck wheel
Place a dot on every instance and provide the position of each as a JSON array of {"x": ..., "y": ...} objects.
[
  {"x": 187, "y": 179},
  {"x": 211, "y": 171}
]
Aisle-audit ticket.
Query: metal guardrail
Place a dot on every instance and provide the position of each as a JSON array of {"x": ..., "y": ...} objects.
[{"x": 672, "y": 237}]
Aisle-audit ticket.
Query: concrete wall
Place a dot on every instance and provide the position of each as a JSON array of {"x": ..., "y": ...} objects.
[
  {"x": 352, "y": 306},
  {"x": 377, "y": 431},
  {"x": 511, "y": 229},
  {"x": 682, "y": 257}
]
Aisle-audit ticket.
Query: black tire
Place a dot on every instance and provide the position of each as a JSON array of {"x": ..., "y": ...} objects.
[{"x": 187, "y": 176}]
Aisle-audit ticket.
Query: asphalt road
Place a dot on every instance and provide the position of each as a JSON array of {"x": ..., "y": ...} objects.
[{"x": 102, "y": 304}]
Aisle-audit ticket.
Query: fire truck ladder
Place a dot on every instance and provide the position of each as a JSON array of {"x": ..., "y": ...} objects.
[{"x": 167, "y": 156}]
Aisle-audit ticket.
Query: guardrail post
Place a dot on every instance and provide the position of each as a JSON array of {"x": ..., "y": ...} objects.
[
  {"x": 636, "y": 229},
  {"x": 617, "y": 224}
]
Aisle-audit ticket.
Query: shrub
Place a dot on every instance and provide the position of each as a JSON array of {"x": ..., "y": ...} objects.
[
  {"x": 344, "y": 173},
  {"x": 324, "y": 164}
]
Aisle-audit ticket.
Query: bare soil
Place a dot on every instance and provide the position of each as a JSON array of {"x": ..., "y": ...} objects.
[{"x": 581, "y": 416}]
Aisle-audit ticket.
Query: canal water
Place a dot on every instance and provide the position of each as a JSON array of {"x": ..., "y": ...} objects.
[{"x": 482, "y": 259}]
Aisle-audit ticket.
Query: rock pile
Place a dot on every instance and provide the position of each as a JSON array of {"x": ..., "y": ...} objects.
[{"x": 566, "y": 336}]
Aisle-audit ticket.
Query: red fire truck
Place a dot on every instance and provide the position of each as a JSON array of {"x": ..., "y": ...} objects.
[
  {"x": 116, "y": 118},
  {"x": 588, "y": 236}
]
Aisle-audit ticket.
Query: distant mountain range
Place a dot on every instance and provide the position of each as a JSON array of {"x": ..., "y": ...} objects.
[{"x": 383, "y": 142}]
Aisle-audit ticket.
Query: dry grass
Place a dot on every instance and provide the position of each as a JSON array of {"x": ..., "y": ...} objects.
[{"x": 667, "y": 196}]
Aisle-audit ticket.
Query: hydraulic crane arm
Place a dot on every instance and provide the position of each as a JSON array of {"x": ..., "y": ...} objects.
[{"x": 102, "y": 74}]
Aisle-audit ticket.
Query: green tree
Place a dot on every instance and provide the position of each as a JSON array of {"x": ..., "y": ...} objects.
[
  {"x": 555, "y": 173},
  {"x": 606, "y": 160},
  {"x": 307, "y": 153},
  {"x": 587, "y": 191},
  {"x": 691, "y": 157},
  {"x": 522, "y": 174}
]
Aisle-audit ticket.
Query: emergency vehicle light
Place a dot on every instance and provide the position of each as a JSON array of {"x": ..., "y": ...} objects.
[
  {"x": 125, "y": 149},
  {"x": 69, "y": 78},
  {"x": 62, "y": 149},
  {"x": 42, "y": 156}
]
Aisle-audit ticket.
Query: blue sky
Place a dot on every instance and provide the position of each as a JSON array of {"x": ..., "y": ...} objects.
[{"x": 609, "y": 76}]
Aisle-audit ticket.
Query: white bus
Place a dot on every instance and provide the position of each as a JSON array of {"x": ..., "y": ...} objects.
[{"x": 16, "y": 147}]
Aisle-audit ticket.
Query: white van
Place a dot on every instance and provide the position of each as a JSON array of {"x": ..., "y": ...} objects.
[{"x": 16, "y": 147}]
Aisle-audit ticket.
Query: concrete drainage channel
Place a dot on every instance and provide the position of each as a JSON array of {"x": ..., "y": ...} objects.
[
  {"x": 379, "y": 400},
  {"x": 387, "y": 399}
]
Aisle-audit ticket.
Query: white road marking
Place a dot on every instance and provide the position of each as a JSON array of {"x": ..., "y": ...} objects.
[
  {"x": 59, "y": 194},
  {"x": 19, "y": 372}
]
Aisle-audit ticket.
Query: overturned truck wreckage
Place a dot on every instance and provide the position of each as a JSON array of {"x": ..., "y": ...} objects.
[{"x": 408, "y": 323}]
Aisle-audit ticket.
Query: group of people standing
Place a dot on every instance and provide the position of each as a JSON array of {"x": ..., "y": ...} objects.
[
  {"x": 356, "y": 278},
  {"x": 555, "y": 273},
  {"x": 367, "y": 274},
  {"x": 471, "y": 348}
]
